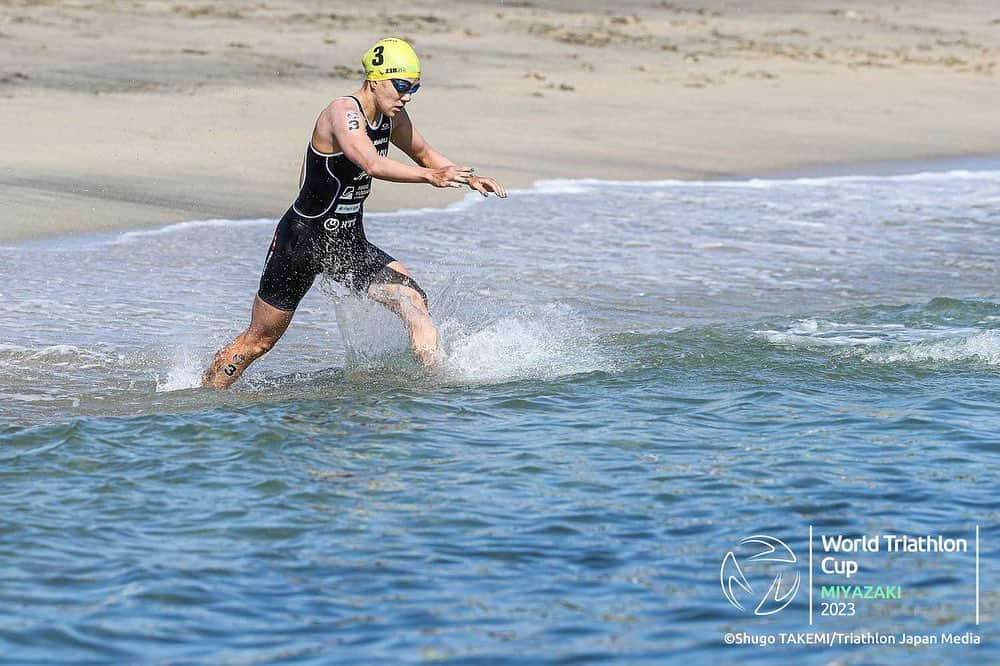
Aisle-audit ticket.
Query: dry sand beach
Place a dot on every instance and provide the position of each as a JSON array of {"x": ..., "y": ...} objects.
[{"x": 124, "y": 114}]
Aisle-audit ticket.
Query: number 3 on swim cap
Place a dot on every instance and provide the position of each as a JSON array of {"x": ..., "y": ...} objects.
[{"x": 391, "y": 58}]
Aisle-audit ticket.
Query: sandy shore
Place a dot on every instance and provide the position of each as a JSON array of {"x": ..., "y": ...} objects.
[{"x": 123, "y": 114}]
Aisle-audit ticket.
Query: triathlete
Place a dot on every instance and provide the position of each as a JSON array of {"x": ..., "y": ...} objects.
[{"x": 323, "y": 233}]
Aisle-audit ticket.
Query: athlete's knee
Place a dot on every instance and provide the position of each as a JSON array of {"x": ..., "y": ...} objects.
[
  {"x": 415, "y": 296},
  {"x": 393, "y": 285},
  {"x": 423, "y": 294},
  {"x": 404, "y": 301}
]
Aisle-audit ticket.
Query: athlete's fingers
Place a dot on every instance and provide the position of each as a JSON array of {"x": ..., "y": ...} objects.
[
  {"x": 495, "y": 187},
  {"x": 477, "y": 185}
]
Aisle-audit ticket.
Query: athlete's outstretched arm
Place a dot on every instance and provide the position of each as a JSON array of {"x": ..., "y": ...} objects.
[
  {"x": 346, "y": 124},
  {"x": 406, "y": 137}
]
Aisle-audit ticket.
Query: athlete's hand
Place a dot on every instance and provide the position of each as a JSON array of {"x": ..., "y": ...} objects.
[
  {"x": 485, "y": 185},
  {"x": 450, "y": 176}
]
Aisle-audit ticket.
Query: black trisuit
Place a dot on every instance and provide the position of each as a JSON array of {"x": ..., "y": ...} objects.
[{"x": 323, "y": 233}]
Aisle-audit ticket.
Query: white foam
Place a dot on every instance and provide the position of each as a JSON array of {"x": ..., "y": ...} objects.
[
  {"x": 52, "y": 356},
  {"x": 892, "y": 343},
  {"x": 12, "y": 349},
  {"x": 57, "y": 350},
  {"x": 823, "y": 333},
  {"x": 578, "y": 185},
  {"x": 465, "y": 203},
  {"x": 983, "y": 347},
  {"x": 566, "y": 186},
  {"x": 798, "y": 340},
  {"x": 138, "y": 234}
]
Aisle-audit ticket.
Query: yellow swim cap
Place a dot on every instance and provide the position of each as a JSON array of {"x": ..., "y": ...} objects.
[{"x": 391, "y": 58}]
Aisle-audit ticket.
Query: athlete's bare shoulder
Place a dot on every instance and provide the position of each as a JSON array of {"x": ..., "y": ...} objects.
[
  {"x": 337, "y": 111},
  {"x": 337, "y": 114},
  {"x": 340, "y": 104}
]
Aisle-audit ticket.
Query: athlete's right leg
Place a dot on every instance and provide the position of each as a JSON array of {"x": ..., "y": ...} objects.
[
  {"x": 395, "y": 288},
  {"x": 267, "y": 325}
]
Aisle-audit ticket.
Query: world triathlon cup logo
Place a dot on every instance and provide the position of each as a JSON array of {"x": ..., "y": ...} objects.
[{"x": 760, "y": 562}]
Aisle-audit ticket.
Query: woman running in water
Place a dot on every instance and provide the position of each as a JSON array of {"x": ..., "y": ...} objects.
[{"x": 323, "y": 232}]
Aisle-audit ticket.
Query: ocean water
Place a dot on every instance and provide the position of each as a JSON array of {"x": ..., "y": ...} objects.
[{"x": 639, "y": 377}]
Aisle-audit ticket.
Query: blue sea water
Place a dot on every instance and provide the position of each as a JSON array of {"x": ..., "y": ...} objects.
[{"x": 639, "y": 377}]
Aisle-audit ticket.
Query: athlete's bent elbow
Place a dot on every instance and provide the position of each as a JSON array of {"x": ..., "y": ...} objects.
[{"x": 376, "y": 168}]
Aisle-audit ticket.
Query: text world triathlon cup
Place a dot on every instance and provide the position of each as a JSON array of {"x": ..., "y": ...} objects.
[{"x": 761, "y": 573}]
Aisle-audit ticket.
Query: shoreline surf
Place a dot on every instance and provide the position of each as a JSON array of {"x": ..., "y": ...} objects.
[{"x": 888, "y": 169}]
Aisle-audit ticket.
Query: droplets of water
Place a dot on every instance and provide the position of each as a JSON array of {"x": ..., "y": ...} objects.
[{"x": 483, "y": 341}]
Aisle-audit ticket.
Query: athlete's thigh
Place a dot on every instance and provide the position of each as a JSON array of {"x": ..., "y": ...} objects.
[{"x": 290, "y": 267}]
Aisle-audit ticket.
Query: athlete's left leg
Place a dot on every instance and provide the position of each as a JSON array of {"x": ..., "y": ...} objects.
[
  {"x": 395, "y": 288},
  {"x": 267, "y": 325}
]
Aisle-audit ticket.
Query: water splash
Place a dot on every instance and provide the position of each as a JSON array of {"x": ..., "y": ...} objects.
[
  {"x": 184, "y": 372},
  {"x": 480, "y": 339},
  {"x": 542, "y": 342}
]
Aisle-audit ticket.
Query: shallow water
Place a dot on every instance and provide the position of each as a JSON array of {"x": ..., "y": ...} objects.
[{"x": 639, "y": 376}]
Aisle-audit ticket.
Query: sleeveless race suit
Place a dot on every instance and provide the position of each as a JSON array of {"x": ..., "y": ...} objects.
[{"x": 323, "y": 232}]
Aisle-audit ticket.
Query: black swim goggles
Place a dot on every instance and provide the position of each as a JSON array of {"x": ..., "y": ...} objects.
[{"x": 403, "y": 86}]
